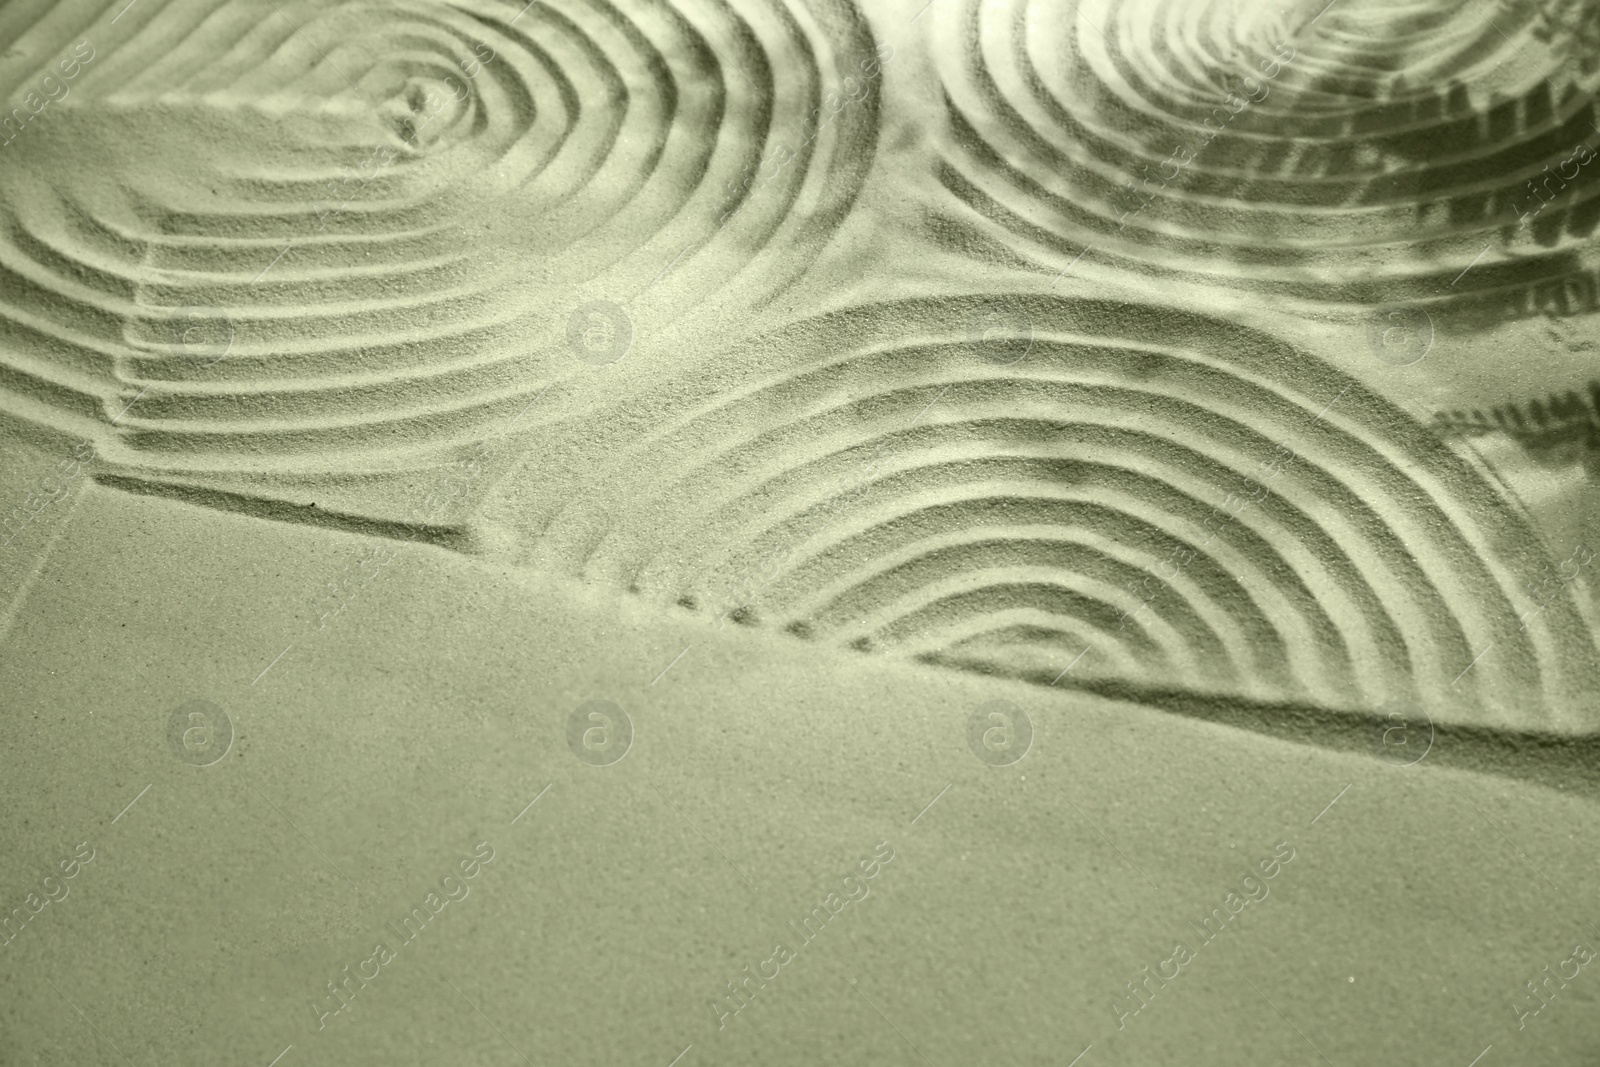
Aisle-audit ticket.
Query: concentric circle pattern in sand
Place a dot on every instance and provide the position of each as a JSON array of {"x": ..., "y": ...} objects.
[
  {"x": 1003, "y": 486},
  {"x": 348, "y": 237},
  {"x": 1363, "y": 151}
]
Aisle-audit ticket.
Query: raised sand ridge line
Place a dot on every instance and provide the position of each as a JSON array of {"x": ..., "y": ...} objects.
[
  {"x": 1199, "y": 505},
  {"x": 1367, "y": 155},
  {"x": 320, "y": 237}
]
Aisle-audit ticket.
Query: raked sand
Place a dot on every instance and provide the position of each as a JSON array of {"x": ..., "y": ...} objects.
[{"x": 1195, "y": 400}]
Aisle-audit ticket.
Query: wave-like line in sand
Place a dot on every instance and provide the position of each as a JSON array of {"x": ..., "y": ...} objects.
[
  {"x": 903, "y": 483},
  {"x": 1369, "y": 155},
  {"x": 347, "y": 238}
]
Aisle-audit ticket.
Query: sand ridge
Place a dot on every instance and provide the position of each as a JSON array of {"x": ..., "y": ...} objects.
[
  {"x": 335, "y": 250},
  {"x": 1197, "y": 505},
  {"x": 381, "y": 216},
  {"x": 1354, "y": 153}
]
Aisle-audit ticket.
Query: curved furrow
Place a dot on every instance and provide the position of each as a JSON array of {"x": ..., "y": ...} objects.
[
  {"x": 1158, "y": 512},
  {"x": 386, "y": 202},
  {"x": 1153, "y": 518},
  {"x": 937, "y": 612},
  {"x": 943, "y": 587},
  {"x": 1111, "y": 541},
  {"x": 1223, "y": 513},
  {"x": 1366, "y": 155},
  {"x": 1032, "y": 644},
  {"x": 724, "y": 473}
]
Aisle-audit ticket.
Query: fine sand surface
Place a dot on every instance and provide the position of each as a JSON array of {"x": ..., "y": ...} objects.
[
  {"x": 1014, "y": 475},
  {"x": 1012, "y": 913}
]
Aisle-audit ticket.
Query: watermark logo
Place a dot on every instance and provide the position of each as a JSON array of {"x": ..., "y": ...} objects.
[
  {"x": 199, "y": 733},
  {"x": 999, "y": 733},
  {"x": 1402, "y": 734},
  {"x": 748, "y": 983},
  {"x": 1002, "y": 336},
  {"x": 599, "y": 733},
  {"x": 198, "y": 331},
  {"x": 1400, "y": 336},
  {"x": 599, "y": 332}
]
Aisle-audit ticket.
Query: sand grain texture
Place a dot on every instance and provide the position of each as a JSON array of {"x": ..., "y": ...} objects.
[{"x": 796, "y": 396}]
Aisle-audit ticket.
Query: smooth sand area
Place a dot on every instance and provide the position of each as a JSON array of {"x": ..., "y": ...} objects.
[{"x": 374, "y": 756}]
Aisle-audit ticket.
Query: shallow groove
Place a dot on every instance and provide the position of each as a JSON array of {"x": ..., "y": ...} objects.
[
  {"x": 401, "y": 197},
  {"x": 954, "y": 500},
  {"x": 275, "y": 510},
  {"x": 1366, "y": 157}
]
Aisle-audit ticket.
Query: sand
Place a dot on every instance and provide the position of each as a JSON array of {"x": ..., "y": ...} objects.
[{"x": 797, "y": 532}]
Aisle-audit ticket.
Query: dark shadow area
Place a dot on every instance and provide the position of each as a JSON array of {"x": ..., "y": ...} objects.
[{"x": 1570, "y": 764}]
